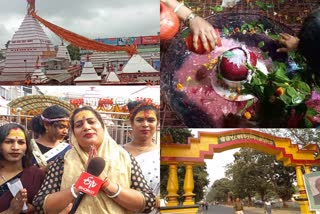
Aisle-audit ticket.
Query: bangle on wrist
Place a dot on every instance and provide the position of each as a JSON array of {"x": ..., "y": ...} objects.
[
  {"x": 73, "y": 192},
  {"x": 190, "y": 17},
  {"x": 117, "y": 193},
  {"x": 178, "y": 7}
]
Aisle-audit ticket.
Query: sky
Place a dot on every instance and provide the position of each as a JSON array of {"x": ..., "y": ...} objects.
[
  {"x": 92, "y": 19},
  {"x": 215, "y": 166}
]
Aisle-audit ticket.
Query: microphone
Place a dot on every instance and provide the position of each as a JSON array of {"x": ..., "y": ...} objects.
[{"x": 95, "y": 167}]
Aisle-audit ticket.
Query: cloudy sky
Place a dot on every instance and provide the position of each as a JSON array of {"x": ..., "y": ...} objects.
[
  {"x": 90, "y": 18},
  {"x": 216, "y": 165}
]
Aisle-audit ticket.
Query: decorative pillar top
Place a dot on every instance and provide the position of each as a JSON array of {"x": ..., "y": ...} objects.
[{"x": 31, "y": 6}]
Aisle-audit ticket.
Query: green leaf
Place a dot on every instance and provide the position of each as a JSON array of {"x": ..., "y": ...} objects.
[
  {"x": 261, "y": 27},
  {"x": 291, "y": 92},
  {"x": 302, "y": 87},
  {"x": 265, "y": 55},
  {"x": 226, "y": 31},
  {"x": 297, "y": 99},
  {"x": 248, "y": 104},
  {"x": 228, "y": 54},
  {"x": 261, "y": 44},
  {"x": 217, "y": 9},
  {"x": 286, "y": 99},
  {"x": 185, "y": 33},
  {"x": 310, "y": 112},
  {"x": 274, "y": 36},
  {"x": 269, "y": 6}
]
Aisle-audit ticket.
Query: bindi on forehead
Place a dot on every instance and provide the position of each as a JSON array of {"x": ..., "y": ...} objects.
[
  {"x": 82, "y": 115},
  {"x": 16, "y": 133}
]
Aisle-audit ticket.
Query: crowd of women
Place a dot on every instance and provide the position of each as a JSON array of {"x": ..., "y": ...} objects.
[{"x": 44, "y": 167}]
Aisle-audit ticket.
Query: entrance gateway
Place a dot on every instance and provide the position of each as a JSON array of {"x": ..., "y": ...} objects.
[{"x": 208, "y": 143}]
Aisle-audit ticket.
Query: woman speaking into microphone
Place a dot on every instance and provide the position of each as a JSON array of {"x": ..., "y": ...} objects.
[{"x": 124, "y": 189}]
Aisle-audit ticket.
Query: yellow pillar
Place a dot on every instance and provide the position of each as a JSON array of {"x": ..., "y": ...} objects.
[
  {"x": 172, "y": 186},
  {"x": 302, "y": 199},
  {"x": 188, "y": 186},
  {"x": 307, "y": 169}
]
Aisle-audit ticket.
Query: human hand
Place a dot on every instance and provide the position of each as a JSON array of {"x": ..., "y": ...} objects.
[
  {"x": 203, "y": 30},
  {"x": 290, "y": 42},
  {"x": 18, "y": 201}
]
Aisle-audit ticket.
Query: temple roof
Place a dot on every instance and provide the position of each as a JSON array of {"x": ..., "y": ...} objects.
[
  {"x": 137, "y": 64},
  {"x": 63, "y": 53},
  {"x": 113, "y": 77},
  {"x": 28, "y": 44},
  {"x": 88, "y": 74}
]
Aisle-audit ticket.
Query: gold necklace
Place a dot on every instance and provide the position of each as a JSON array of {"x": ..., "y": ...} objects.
[{"x": 3, "y": 178}]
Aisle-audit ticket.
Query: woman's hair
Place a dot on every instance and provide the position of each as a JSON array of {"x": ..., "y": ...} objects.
[
  {"x": 309, "y": 44},
  {"x": 52, "y": 112},
  {"x": 4, "y": 132},
  {"x": 135, "y": 107},
  {"x": 85, "y": 108}
]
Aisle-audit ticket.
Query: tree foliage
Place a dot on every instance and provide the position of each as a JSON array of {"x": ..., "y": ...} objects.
[
  {"x": 220, "y": 190},
  {"x": 255, "y": 172},
  {"x": 74, "y": 52},
  {"x": 175, "y": 135},
  {"x": 297, "y": 136},
  {"x": 200, "y": 174}
]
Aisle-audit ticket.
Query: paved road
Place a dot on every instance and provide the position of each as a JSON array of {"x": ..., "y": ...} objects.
[{"x": 221, "y": 209}]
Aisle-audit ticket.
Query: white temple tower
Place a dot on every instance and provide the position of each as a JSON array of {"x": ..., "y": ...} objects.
[{"x": 27, "y": 44}]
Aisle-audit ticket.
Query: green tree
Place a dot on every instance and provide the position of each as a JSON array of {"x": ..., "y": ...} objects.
[
  {"x": 74, "y": 52},
  {"x": 297, "y": 136},
  {"x": 200, "y": 173},
  {"x": 220, "y": 190},
  {"x": 178, "y": 135},
  {"x": 256, "y": 172},
  {"x": 1, "y": 56},
  {"x": 282, "y": 180}
]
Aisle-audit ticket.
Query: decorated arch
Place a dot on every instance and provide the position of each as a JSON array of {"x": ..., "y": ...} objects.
[
  {"x": 208, "y": 143},
  {"x": 35, "y": 104}
]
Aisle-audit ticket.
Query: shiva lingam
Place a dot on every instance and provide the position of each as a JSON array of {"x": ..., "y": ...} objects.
[{"x": 232, "y": 66}]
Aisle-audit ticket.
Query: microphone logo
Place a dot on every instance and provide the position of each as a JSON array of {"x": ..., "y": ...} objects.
[{"x": 88, "y": 184}]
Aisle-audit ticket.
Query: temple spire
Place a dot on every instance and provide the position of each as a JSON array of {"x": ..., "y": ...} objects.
[{"x": 31, "y": 6}]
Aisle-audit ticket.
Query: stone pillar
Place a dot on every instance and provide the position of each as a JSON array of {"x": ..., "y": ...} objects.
[
  {"x": 172, "y": 186},
  {"x": 302, "y": 199},
  {"x": 188, "y": 186}
]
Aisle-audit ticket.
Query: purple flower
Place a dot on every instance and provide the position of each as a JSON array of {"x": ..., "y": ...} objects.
[{"x": 315, "y": 95}]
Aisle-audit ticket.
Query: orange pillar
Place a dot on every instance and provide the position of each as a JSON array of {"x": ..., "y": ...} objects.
[
  {"x": 188, "y": 186},
  {"x": 307, "y": 169},
  {"x": 303, "y": 199},
  {"x": 172, "y": 186}
]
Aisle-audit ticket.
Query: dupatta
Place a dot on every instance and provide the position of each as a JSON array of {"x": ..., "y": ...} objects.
[{"x": 118, "y": 169}]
